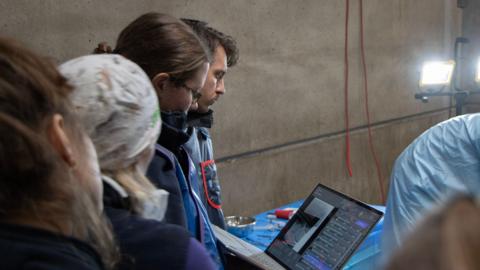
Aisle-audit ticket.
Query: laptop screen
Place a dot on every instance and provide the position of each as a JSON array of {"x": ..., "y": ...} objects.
[{"x": 324, "y": 232}]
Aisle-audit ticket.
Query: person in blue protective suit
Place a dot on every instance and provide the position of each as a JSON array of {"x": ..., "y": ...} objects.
[
  {"x": 117, "y": 105},
  {"x": 440, "y": 163},
  {"x": 224, "y": 55},
  {"x": 50, "y": 186},
  {"x": 177, "y": 73}
]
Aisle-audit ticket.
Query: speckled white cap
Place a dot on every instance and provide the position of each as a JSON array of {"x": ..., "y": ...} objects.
[{"x": 117, "y": 106}]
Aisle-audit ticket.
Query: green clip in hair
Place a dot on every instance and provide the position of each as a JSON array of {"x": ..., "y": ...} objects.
[{"x": 155, "y": 117}]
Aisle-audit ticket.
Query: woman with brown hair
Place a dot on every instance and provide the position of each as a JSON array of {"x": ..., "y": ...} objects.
[
  {"x": 50, "y": 187},
  {"x": 117, "y": 105},
  {"x": 177, "y": 63},
  {"x": 447, "y": 239}
]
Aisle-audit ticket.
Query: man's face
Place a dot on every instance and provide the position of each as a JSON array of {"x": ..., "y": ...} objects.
[{"x": 214, "y": 84}]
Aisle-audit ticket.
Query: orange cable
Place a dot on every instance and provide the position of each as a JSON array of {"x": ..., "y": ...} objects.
[
  {"x": 347, "y": 128},
  {"x": 365, "y": 80}
]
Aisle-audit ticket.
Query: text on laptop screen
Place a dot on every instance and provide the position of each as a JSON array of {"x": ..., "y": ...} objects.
[{"x": 324, "y": 232}]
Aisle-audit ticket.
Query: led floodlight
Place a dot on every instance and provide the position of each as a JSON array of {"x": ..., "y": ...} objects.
[
  {"x": 477, "y": 73},
  {"x": 437, "y": 74}
]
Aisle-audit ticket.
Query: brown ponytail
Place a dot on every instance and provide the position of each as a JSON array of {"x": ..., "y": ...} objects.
[
  {"x": 34, "y": 181},
  {"x": 161, "y": 43}
]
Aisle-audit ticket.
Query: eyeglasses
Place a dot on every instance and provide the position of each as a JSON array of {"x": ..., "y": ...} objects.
[{"x": 195, "y": 92}]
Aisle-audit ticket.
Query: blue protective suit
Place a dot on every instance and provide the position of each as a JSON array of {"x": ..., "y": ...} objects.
[{"x": 442, "y": 162}]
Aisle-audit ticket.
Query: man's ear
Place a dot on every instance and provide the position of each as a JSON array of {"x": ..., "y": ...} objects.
[
  {"x": 60, "y": 140},
  {"x": 160, "y": 83}
]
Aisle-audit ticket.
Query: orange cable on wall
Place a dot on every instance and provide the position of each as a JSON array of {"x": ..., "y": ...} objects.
[
  {"x": 367, "y": 111},
  {"x": 347, "y": 127}
]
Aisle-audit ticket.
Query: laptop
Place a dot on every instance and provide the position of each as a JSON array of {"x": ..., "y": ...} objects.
[{"x": 323, "y": 234}]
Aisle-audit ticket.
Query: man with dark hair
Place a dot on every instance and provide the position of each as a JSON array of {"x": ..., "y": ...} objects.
[{"x": 225, "y": 55}]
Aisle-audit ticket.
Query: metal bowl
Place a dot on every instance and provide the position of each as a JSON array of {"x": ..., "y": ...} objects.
[{"x": 240, "y": 226}]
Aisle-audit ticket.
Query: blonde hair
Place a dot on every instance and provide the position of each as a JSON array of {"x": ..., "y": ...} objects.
[{"x": 138, "y": 187}]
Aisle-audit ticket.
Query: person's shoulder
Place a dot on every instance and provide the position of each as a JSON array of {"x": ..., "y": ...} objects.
[
  {"x": 465, "y": 121},
  {"x": 198, "y": 257},
  {"x": 162, "y": 171},
  {"x": 30, "y": 248},
  {"x": 204, "y": 132},
  {"x": 162, "y": 152},
  {"x": 58, "y": 263},
  {"x": 192, "y": 142},
  {"x": 149, "y": 244},
  {"x": 126, "y": 222},
  {"x": 162, "y": 165}
]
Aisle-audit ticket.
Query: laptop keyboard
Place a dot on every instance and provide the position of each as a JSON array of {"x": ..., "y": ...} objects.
[
  {"x": 333, "y": 242},
  {"x": 266, "y": 261}
]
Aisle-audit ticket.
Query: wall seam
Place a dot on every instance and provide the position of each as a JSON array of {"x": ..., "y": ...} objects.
[{"x": 315, "y": 139}]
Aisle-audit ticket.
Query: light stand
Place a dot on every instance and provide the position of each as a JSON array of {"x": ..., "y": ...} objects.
[{"x": 455, "y": 92}]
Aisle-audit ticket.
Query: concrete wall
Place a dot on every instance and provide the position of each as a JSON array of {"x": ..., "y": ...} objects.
[
  {"x": 471, "y": 52},
  {"x": 287, "y": 89},
  {"x": 289, "y": 174}
]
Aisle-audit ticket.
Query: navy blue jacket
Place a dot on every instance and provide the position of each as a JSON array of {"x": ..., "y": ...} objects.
[
  {"x": 149, "y": 244},
  {"x": 163, "y": 174},
  {"x": 24, "y": 247},
  {"x": 171, "y": 157}
]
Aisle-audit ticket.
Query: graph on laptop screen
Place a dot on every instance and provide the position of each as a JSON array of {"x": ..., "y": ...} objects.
[{"x": 324, "y": 232}]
